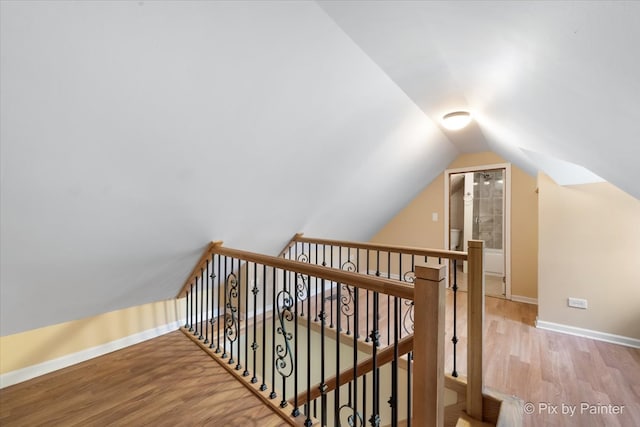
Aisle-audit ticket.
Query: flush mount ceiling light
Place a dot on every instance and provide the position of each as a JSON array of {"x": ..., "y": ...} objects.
[{"x": 456, "y": 120}]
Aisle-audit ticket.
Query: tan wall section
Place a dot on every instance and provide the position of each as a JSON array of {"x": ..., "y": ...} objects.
[
  {"x": 40, "y": 345},
  {"x": 589, "y": 248},
  {"x": 413, "y": 225}
]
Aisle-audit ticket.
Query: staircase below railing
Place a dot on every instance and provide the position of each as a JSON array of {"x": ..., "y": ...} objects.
[{"x": 323, "y": 346}]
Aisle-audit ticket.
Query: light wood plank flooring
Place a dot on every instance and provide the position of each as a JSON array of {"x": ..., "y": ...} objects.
[
  {"x": 167, "y": 381},
  {"x": 547, "y": 369},
  {"x": 170, "y": 381}
]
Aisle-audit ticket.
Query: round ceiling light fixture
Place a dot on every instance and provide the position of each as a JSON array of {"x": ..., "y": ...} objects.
[{"x": 456, "y": 120}]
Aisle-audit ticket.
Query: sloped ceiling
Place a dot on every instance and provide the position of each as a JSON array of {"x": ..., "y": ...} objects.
[
  {"x": 132, "y": 133},
  {"x": 557, "y": 78}
]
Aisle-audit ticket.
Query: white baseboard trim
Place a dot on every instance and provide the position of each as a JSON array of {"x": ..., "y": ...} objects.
[
  {"x": 588, "y": 333},
  {"x": 526, "y": 300},
  {"x": 24, "y": 374}
]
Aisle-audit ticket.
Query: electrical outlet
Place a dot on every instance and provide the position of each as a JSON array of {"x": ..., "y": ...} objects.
[
  {"x": 434, "y": 216},
  {"x": 577, "y": 303}
]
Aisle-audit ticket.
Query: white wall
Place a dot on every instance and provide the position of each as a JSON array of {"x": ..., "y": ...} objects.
[{"x": 132, "y": 133}]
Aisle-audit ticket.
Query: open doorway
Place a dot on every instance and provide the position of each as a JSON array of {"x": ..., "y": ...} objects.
[{"x": 477, "y": 207}]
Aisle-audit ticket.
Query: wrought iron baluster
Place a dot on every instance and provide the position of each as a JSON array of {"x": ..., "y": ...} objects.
[
  {"x": 307, "y": 407},
  {"x": 397, "y": 318},
  {"x": 284, "y": 359},
  {"x": 393, "y": 400},
  {"x": 213, "y": 296},
  {"x": 206, "y": 308},
  {"x": 347, "y": 300},
  {"x": 356, "y": 328},
  {"x": 355, "y": 356},
  {"x": 263, "y": 386},
  {"x": 296, "y": 409},
  {"x": 331, "y": 299},
  {"x": 364, "y": 395},
  {"x": 224, "y": 314},
  {"x": 218, "y": 306},
  {"x": 409, "y": 367},
  {"x": 201, "y": 302},
  {"x": 189, "y": 297},
  {"x": 366, "y": 339},
  {"x": 254, "y": 344},
  {"x": 336, "y": 392},
  {"x": 388, "y": 300},
  {"x": 323, "y": 385},
  {"x": 375, "y": 338},
  {"x": 273, "y": 393},
  {"x": 231, "y": 321},
  {"x": 407, "y": 318},
  {"x": 245, "y": 373},
  {"x": 238, "y": 298},
  {"x": 454, "y": 340},
  {"x": 195, "y": 332}
]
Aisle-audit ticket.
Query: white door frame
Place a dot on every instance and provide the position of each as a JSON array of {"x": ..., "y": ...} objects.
[{"x": 507, "y": 212}]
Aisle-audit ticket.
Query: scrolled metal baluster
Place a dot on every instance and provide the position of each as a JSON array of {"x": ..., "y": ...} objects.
[
  {"x": 346, "y": 417},
  {"x": 284, "y": 359},
  {"x": 302, "y": 289},
  {"x": 231, "y": 321},
  {"x": 349, "y": 266},
  {"x": 407, "y": 317},
  {"x": 347, "y": 304},
  {"x": 347, "y": 301},
  {"x": 302, "y": 284}
]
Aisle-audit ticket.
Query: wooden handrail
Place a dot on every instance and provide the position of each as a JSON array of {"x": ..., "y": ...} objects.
[
  {"x": 291, "y": 242},
  {"x": 202, "y": 262},
  {"x": 405, "y": 345},
  {"x": 372, "y": 283},
  {"x": 440, "y": 253}
]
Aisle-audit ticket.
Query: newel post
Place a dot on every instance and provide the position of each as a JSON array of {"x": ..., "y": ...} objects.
[
  {"x": 475, "y": 318},
  {"x": 428, "y": 346}
]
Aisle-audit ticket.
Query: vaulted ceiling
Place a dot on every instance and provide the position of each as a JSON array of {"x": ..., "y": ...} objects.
[{"x": 132, "y": 133}]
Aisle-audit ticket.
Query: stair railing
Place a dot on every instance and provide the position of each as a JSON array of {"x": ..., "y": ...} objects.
[
  {"x": 278, "y": 324},
  {"x": 398, "y": 263}
]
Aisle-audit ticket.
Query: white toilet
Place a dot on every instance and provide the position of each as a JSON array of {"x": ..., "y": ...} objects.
[{"x": 454, "y": 239}]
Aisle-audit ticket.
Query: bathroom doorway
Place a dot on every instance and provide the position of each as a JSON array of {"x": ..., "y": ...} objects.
[{"x": 477, "y": 208}]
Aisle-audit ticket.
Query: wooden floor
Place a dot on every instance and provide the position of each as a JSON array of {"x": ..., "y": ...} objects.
[
  {"x": 546, "y": 369},
  {"x": 170, "y": 381},
  {"x": 167, "y": 381},
  {"x": 549, "y": 370}
]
